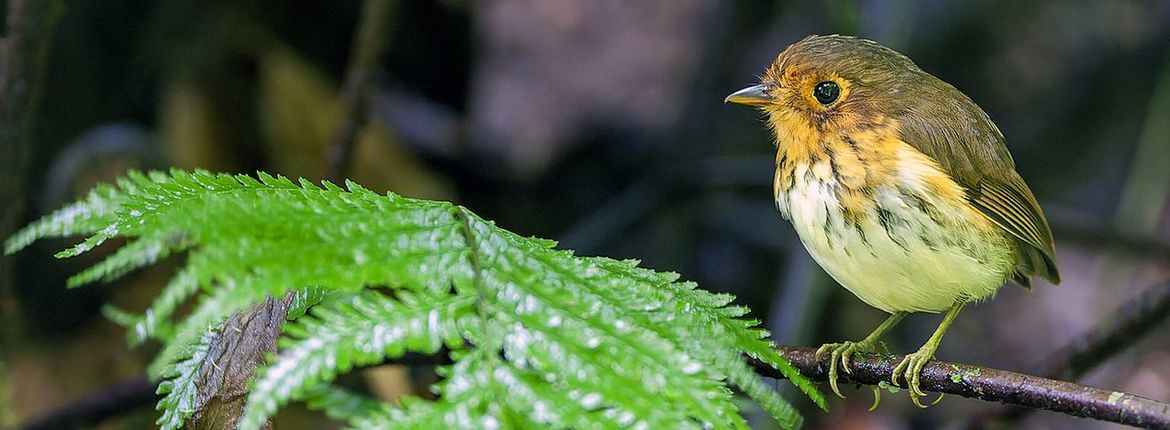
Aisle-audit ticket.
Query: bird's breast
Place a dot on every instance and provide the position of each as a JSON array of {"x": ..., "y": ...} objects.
[{"x": 889, "y": 225}]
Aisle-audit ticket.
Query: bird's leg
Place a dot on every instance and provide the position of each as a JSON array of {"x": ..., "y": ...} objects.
[
  {"x": 911, "y": 366},
  {"x": 843, "y": 352}
]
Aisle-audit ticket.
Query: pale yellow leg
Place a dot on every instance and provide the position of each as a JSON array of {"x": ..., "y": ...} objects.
[
  {"x": 843, "y": 352},
  {"x": 911, "y": 366}
]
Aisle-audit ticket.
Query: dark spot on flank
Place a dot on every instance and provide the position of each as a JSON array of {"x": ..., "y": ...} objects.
[
  {"x": 887, "y": 220},
  {"x": 860, "y": 232},
  {"x": 825, "y": 228},
  {"x": 884, "y": 218},
  {"x": 921, "y": 204},
  {"x": 928, "y": 242}
]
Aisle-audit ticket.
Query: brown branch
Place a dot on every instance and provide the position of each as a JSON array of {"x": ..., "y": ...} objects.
[
  {"x": 993, "y": 385},
  {"x": 139, "y": 392},
  {"x": 939, "y": 376},
  {"x": 1116, "y": 333},
  {"x": 238, "y": 349},
  {"x": 114, "y": 400},
  {"x": 24, "y": 53},
  {"x": 368, "y": 45},
  {"x": 1090, "y": 232}
]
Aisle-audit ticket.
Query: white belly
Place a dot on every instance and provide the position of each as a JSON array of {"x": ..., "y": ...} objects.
[{"x": 897, "y": 258}]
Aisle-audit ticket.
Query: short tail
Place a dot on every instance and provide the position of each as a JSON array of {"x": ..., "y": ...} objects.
[{"x": 1031, "y": 263}]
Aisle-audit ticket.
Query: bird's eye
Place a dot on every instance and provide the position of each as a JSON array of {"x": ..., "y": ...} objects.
[{"x": 826, "y": 92}]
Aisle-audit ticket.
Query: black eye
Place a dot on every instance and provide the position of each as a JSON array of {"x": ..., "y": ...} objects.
[{"x": 826, "y": 92}]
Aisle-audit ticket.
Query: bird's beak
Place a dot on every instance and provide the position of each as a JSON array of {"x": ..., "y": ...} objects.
[{"x": 756, "y": 95}]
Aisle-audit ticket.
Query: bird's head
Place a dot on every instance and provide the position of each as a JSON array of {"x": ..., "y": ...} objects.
[{"x": 830, "y": 83}]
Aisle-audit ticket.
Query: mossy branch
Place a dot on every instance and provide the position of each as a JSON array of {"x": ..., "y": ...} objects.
[{"x": 994, "y": 385}]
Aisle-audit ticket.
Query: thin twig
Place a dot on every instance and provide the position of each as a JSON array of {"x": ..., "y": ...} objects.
[
  {"x": 127, "y": 396},
  {"x": 24, "y": 52},
  {"x": 1116, "y": 333},
  {"x": 1090, "y": 232},
  {"x": 114, "y": 400},
  {"x": 368, "y": 45},
  {"x": 992, "y": 385},
  {"x": 224, "y": 387}
]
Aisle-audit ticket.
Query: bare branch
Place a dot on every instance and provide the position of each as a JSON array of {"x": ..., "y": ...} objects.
[
  {"x": 139, "y": 392},
  {"x": 1131, "y": 322},
  {"x": 993, "y": 385},
  {"x": 1128, "y": 324},
  {"x": 120, "y": 398},
  {"x": 369, "y": 43},
  {"x": 250, "y": 335},
  {"x": 939, "y": 376},
  {"x": 1090, "y": 232},
  {"x": 238, "y": 349}
]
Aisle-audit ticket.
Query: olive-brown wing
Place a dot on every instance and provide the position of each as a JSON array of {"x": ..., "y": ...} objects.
[
  {"x": 947, "y": 126},
  {"x": 1013, "y": 208}
]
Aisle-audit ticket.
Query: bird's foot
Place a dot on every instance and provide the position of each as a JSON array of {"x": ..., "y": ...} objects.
[
  {"x": 843, "y": 353},
  {"x": 911, "y": 371}
]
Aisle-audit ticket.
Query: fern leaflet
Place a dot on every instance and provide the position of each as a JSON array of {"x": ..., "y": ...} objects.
[{"x": 539, "y": 337}]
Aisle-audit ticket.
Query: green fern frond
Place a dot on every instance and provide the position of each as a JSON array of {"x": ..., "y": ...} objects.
[
  {"x": 466, "y": 400},
  {"x": 359, "y": 330},
  {"x": 180, "y": 384},
  {"x": 341, "y": 404},
  {"x": 83, "y": 217},
  {"x": 304, "y": 299},
  {"x": 136, "y": 254},
  {"x": 155, "y": 323},
  {"x": 417, "y": 414},
  {"x": 540, "y": 338}
]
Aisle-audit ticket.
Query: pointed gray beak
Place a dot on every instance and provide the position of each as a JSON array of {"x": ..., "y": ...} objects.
[{"x": 756, "y": 95}]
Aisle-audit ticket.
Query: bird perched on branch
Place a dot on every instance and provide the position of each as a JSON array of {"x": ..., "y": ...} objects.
[{"x": 899, "y": 186}]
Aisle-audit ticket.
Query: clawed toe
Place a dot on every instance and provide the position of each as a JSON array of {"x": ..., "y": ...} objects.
[
  {"x": 910, "y": 368},
  {"x": 841, "y": 354},
  {"x": 834, "y": 349}
]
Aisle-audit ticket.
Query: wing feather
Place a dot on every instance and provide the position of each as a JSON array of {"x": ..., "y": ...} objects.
[
  {"x": 947, "y": 126},
  {"x": 1023, "y": 219}
]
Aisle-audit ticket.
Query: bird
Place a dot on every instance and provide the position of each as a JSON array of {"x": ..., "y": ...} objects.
[{"x": 899, "y": 186}]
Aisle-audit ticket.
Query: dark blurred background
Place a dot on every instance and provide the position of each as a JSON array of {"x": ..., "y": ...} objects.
[{"x": 600, "y": 124}]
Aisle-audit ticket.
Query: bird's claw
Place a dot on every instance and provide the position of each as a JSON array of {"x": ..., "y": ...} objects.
[
  {"x": 911, "y": 370},
  {"x": 877, "y": 398},
  {"x": 841, "y": 353}
]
